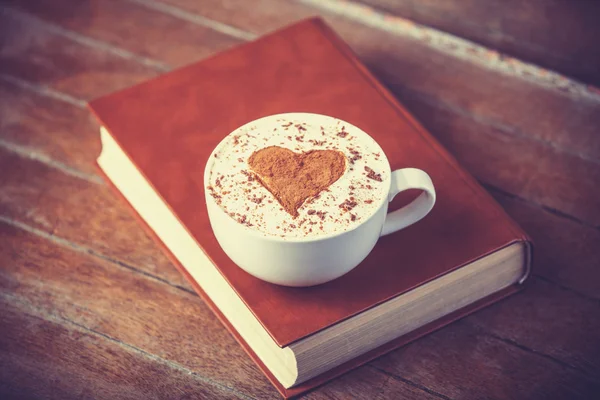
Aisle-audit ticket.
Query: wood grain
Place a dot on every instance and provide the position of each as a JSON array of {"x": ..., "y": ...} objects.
[
  {"x": 526, "y": 30},
  {"x": 31, "y": 51},
  {"x": 45, "y": 357},
  {"x": 258, "y": 17},
  {"x": 144, "y": 32},
  {"x": 177, "y": 326},
  {"x": 566, "y": 252},
  {"x": 480, "y": 366},
  {"x": 80, "y": 212},
  {"x": 516, "y": 164},
  {"x": 551, "y": 321},
  {"x": 49, "y": 127},
  {"x": 355, "y": 384}
]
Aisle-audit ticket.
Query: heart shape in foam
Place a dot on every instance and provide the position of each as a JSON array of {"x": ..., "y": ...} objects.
[{"x": 293, "y": 178}]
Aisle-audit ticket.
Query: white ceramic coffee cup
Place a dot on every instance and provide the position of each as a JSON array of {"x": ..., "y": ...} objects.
[{"x": 299, "y": 261}]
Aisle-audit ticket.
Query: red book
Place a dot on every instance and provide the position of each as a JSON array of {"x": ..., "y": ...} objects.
[{"x": 157, "y": 137}]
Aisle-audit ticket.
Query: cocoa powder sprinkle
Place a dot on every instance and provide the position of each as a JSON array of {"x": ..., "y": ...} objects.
[
  {"x": 348, "y": 204},
  {"x": 355, "y": 155},
  {"x": 321, "y": 214},
  {"x": 373, "y": 175},
  {"x": 256, "y": 199},
  {"x": 249, "y": 175}
]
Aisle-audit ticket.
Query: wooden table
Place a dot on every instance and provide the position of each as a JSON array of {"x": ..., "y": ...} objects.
[{"x": 92, "y": 309}]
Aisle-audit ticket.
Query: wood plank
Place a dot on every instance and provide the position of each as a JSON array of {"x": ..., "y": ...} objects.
[
  {"x": 57, "y": 204},
  {"x": 44, "y": 357},
  {"x": 549, "y": 320},
  {"x": 481, "y": 367},
  {"x": 566, "y": 252},
  {"x": 260, "y": 17},
  {"x": 526, "y": 30},
  {"x": 367, "y": 382},
  {"x": 175, "y": 325},
  {"x": 31, "y": 51},
  {"x": 516, "y": 164},
  {"x": 128, "y": 307},
  {"x": 144, "y": 32},
  {"x": 49, "y": 127}
]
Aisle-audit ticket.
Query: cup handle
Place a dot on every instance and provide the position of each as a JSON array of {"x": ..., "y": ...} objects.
[{"x": 404, "y": 179}]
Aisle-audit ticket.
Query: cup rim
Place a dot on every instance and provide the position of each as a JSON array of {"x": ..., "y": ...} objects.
[{"x": 299, "y": 239}]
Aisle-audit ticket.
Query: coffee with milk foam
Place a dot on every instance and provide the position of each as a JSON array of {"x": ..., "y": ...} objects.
[{"x": 298, "y": 179}]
